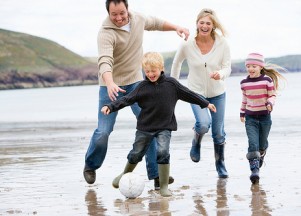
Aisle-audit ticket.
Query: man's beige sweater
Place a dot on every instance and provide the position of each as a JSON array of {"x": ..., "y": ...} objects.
[{"x": 120, "y": 52}]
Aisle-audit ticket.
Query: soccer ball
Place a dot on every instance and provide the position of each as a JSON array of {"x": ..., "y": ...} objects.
[{"x": 131, "y": 185}]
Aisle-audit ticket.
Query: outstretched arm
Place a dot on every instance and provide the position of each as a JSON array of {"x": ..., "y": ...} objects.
[{"x": 180, "y": 30}]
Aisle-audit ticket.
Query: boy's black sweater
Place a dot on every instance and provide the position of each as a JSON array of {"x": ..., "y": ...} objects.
[{"x": 157, "y": 101}]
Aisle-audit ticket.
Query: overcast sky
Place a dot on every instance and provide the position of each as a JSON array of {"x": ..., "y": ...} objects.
[{"x": 271, "y": 27}]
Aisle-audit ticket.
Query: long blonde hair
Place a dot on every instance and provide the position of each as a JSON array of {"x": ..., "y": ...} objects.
[{"x": 273, "y": 71}]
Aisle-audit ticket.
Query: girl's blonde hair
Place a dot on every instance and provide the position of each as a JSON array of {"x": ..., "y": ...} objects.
[
  {"x": 215, "y": 21},
  {"x": 153, "y": 60},
  {"x": 273, "y": 71}
]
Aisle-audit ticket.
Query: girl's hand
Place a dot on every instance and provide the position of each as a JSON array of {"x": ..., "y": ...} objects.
[
  {"x": 242, "y": 119},
  {"x": 211, "y": 107},
  {"x": 105, "y": 110},
  {"x": 269, "y": 107}
]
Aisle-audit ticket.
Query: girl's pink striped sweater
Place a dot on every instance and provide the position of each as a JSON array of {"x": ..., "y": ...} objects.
[{"x": 257, "y": 93}]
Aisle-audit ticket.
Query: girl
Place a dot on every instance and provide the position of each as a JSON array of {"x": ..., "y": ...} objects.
[{"x": 259, "y": 94}]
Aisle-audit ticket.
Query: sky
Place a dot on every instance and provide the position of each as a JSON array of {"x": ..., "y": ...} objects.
[{"x": 270, "y": 27}]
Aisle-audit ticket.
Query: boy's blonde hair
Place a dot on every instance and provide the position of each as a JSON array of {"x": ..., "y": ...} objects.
[{"x": 153, "y": 60}]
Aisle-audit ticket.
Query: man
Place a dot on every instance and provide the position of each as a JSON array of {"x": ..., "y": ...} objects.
[{"x": 120, "y": 51}]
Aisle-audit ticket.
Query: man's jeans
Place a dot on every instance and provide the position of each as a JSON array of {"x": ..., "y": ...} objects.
[
  {"x": 97, "y": 149},
  {"x": 258, "y": 129},
  {"x": 142, "y": 142},
  {"x": 204, "y": 119}
]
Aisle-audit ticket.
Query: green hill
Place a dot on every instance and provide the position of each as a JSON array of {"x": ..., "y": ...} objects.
[{"x": 28, "y": 61}]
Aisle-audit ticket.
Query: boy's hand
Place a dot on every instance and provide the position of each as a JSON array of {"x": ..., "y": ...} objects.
[
  {"x": 105, "y": 110},
  {"x": 242, "y": 119},
  {"x": 269, "y": 107},
  {"x": 211, "y": 107}
]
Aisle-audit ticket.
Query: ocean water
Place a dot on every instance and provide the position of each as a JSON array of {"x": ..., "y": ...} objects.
[{"x": 80, "y": 103}]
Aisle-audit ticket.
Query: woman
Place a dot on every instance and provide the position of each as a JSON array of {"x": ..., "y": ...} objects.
[{"x": 209, "y": 62}]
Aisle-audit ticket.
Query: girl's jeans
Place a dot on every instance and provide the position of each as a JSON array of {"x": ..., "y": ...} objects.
[
  {"x": 258, "y": 129},
  {"x": 142, "y": 142},
  {"x": 204, "y": 119},
  {"x": 97, "y": 149}
]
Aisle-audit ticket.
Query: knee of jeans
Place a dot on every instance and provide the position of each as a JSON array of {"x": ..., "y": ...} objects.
[
  {"x": 134, "y": 158},
  {"x": 100, "y": 138},
  {"x": 163, "y": 157},
  {"x": 202, "y": 129}
]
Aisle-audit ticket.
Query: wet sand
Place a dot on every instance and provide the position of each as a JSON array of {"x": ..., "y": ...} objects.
[{"x": 41, "y": 173}]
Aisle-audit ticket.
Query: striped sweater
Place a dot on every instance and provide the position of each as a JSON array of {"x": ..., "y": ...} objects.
[{"x": 257, "y": 93}]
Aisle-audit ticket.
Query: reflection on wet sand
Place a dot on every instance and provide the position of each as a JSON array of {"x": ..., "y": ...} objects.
[
  {"x": 259, "y": 205},
  {"x": 222, "y": 208},
  {"x": 95, "y": 206}
]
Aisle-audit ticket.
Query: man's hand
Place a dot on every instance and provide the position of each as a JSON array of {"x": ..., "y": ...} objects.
[
  {"x": 181, "y": 31},
  {"x": 113, "y": 90}
]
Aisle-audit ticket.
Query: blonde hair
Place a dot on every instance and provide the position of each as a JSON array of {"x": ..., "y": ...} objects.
[
  {"x": 153, "y": 60},
  {"x": 215, "y": 21},
  {"x": 273, "y": 71}
]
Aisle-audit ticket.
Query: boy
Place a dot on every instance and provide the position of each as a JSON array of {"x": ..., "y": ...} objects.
[{"x": 157, "y": 96}]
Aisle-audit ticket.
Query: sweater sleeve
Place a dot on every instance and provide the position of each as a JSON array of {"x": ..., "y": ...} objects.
[
  {"x": 271, "y": 93},
  {"x": 226, "y": 62},
  {"x": 124, "y": 101},
  {"x": 189, "y": 96},
  {"x": 177, "y": 62}
]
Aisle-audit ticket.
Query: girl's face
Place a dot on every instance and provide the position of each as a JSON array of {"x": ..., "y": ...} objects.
[
  {"x": 253, "y": 70},
  {"x": 118, "y": 14},
  {"x": 152, "y": 73},
  {"x": 205, "y": 26}
]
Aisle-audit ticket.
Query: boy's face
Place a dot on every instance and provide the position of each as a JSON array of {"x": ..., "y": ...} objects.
[{"x": 152, "y": 73}]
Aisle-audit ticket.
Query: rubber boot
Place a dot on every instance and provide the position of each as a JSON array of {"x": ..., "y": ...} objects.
[
  {"x": 254, "y": 167},
  {"x": 128, "y": 168},
  {"x": 261, "y": 159},
  {"x": 164, "y": 178},
  {"x": 195, "y": 151},
  {"x": 219, "y": 160}
]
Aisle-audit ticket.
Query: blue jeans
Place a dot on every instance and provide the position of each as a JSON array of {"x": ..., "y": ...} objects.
[
  {"x": 142, "y": 142},
  {"x": 97, "y": 149},
  {"x": 204, "y": 119},
  {"x": 258, "y": 128}
]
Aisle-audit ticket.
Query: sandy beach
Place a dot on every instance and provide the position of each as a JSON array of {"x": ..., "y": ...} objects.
[{"x": 41, "y": 173}]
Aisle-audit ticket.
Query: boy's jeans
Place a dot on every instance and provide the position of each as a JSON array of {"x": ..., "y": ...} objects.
[
  {"x": 97, "y": 149},
  {"x": 142, "y": 142}
]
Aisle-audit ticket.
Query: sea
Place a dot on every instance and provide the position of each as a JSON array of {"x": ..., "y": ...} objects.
[{"x": 80, "y": 103}]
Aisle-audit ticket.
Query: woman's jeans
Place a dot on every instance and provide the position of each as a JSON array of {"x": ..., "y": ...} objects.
[
  {"x": 142, "y": 143},
  {"x": 258, "y": 129},
  {"x": 97, "y": 149},
  {"x": 204, "y": 120}
]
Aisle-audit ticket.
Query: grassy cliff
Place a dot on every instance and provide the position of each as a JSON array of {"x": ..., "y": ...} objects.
[{"x": 29, "y": 61}]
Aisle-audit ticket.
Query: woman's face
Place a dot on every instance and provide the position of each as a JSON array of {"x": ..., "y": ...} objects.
[
  {"x": 205, "y": 26},
  {"x": 118, "y": 14}
]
